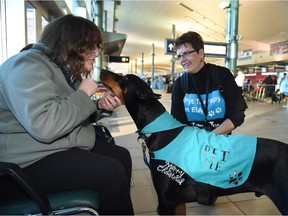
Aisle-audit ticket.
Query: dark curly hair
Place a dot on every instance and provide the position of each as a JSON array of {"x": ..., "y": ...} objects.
[{"x": 67, "y": 38}]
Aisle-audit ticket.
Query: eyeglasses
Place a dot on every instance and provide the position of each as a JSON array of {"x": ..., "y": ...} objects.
[{"x": 185, "y": 55}]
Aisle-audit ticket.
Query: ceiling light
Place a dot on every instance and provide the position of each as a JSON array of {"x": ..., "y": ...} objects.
[
  {"x": 190, "y": 19},
  {"x": 196, "y": 24},
  {"x": 180, "y": 3},
  {"x": 205, "y": 34},
  {"x": 220, "y": 34},
  {"x": 211, "y": 22},
  {"x": 199, "y": 15},
  {"x": 220, "y": 27},
  {"x": 224, "y": 5}
]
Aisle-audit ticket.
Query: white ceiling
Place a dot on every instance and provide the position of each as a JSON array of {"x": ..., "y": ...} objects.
[{"x": 261, "y": 23}]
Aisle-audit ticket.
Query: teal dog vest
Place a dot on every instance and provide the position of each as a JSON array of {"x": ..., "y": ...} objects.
[{"x": 220, "y": 160}]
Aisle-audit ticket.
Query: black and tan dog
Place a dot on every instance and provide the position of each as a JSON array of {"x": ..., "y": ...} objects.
[{"x": 263, "y": 168}]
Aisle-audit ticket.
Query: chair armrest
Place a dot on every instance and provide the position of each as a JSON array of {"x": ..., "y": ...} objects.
[{"x": 22, "y": 179}]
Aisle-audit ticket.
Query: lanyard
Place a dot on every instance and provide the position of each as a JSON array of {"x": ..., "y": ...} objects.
[{"x": 204, "y": 106}]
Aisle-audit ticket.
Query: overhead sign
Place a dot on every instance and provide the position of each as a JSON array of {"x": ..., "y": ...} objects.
[
  {"x": 245, "y": 55},
  {"x": 169, "y": 46},
  {"x": 211, "y": 49},
  {"x": 279, "y": 48},
  {"x": 119, "y": 59}
]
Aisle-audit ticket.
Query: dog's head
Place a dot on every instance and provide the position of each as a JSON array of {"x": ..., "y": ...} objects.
[
  {"x": 129, "y": 87},
  {"x": 137, "y": 96}
]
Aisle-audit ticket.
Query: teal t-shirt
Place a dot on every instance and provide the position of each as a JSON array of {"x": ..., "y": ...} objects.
[{"x": 220, "y": 160}]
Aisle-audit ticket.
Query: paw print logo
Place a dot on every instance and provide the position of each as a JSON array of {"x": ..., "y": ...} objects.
[
  {"x": 235, "y": 177},
  {"x": 218, "y": 110},
  {"x": 211, "y": 113}
]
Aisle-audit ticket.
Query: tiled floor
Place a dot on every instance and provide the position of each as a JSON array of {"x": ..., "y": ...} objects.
[{"x": 262, "y": 119}]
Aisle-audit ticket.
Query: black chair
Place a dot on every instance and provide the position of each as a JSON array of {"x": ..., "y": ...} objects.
[{"x": 62, "y": 203}]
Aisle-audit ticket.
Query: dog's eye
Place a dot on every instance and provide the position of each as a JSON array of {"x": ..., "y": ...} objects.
[{"x": 124, "y": 79}]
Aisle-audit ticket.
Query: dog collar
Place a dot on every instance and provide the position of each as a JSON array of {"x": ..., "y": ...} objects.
[{"x": 162, "y": 123}]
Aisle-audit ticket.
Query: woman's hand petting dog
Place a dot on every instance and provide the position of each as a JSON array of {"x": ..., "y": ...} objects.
[
  {"x": 109, "y": 102},
  {"x": 89, "y": 86}
]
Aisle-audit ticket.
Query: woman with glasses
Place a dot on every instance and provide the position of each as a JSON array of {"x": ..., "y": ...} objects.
[
  {"x": 205, "y": 96},
  {"x": 45, "y": 117},
  {"x": 210, "y": 98}
]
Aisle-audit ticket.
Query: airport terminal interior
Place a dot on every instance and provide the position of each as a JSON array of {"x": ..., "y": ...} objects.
[{"x": 22, "y": 22}]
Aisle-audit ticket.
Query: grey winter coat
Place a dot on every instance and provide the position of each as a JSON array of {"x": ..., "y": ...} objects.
[{"x": 40, "y": 114}]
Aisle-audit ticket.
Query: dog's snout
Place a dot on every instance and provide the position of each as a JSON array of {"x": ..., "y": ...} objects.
[
  {"x": 109, "y": 75},
  {"x": 111, "y": 80}
]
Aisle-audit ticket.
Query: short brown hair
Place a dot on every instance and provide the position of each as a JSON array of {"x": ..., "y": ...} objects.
[
  {"x": 190, "y": 37},
  {"x": 68, "y": 37}
]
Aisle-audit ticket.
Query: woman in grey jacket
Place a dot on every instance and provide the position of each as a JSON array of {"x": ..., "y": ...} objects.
[{"x": 45, "y": 108}]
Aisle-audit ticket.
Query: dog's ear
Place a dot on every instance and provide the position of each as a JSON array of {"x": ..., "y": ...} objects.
[
  {"x": 141, "y": 88},
  {"x": 147, "y": 94}
]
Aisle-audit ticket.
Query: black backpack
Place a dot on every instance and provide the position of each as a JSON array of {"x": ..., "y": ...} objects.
[{"x": 214, "y": 74}]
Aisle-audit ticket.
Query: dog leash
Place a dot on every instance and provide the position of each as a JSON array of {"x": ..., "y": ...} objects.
[
  {"x": 166, "y": 121},
  {"x": 142, "y": 140}
]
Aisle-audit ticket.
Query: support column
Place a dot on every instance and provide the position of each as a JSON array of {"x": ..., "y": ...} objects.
[
  {"x": 142, "y": 63},
  {"x": 234, "y": 35},
  {"x": 172, "y": 57},
  {"x": 232, "y": 14},
  {"x": 152, "y": 65},
  {"x": 228, "y": 33},
  {"x": 99, "y": 23}
]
